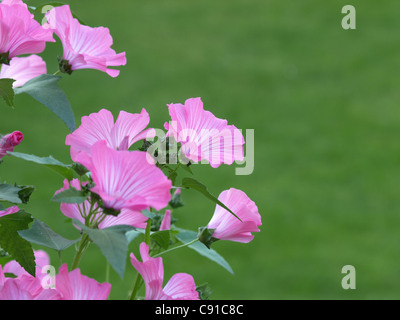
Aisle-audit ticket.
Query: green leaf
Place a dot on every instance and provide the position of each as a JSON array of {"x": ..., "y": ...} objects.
[
  {"x": 112, "y": 242},
  {"x": 64, "y": 170},
  {"x": 15, "y": 194},
  {"x": 20, "y": 249},
  {"x": 45, "y": 89},
  {"x": 186, "y": 236},
  {"x": 9, "y": 193},
  {"x": 162, "y": 238},
  {"x": 204, "y": 291},
  {"x": 40, "y": 233},
  {"x": 7, "y": 91},
  {"x": 25, "y": 193},
  {"x": 198, "y": 186},
  {"x": 70, "y": 195},
  {"x": 133, "y": 234}
]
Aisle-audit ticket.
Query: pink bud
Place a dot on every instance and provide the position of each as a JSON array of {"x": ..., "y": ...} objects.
[
  {"x": 166, "y": 222},
  {"x": 9, "y": 141},
  {"x": 9, "y": 210}
]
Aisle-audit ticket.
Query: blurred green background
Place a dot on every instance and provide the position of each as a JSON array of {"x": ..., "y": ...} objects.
[{"x": 324, "y": 104}]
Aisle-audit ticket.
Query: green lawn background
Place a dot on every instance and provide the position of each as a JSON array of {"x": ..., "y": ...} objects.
[{"x": 324, "y": 104}]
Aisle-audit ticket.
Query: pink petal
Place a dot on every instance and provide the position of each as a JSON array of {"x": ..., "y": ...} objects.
[
  {"x": 12, "y": 290},
  {"x": 75, "y": 286},
  {"x": 181, "y": 286},
  {"x": 203, "y": 136},
  {"x": 166, "y": 222},
  {"x": 126, "y": 179},
  {"x": 152, "y": 271},
  {"x": 84, "y": 47},
  {"x": 23, "y": 69},
  {"x": 9, "y": 141},
  {"x": 126, "y": 217},
  {"x": 227, "y": 226},
  {"x": 9, "y": 210},
  {"x": 95, "y": 127},
  {"x": 129, "y": 128},
  {"x": 22, "y": 33},
  {"x": 129, "y": 125}
]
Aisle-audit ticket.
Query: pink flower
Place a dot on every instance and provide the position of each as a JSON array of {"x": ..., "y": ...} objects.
[
  {"x": 228, "y": 227},
  {"x": 84, "y": 47},
  {"x": 20, "y": 33},
  {"x": 181, "y": 286},
  {"x": 126, "y": 179},
  {"x": 129, "y": 128},
  {"x": 68, "y": 285},
  {"x": 204, "y": 136},
  {"x": 75, "y": 286},
  {"x": 20, "y": 289},
  {"x": 73, "y": 211},
  {"x": 9, "y": 210},
  {"x": 166, "y": 222},
  {"x": 25, "y": 286},
  {"x": 23, "y": 69},
  {"x": 9, "y": 141}
]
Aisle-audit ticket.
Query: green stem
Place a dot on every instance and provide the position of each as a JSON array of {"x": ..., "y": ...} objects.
[
  {"x": 147, "y": 232},
  {"x": 56, "y": 73},
  {"x": 139, "y": 279},
  {"x": 175, "y": 248},
  {"x": 82, "y": 246},
  {"x": 136, "y": 286},
  {"x": 176, "y": 169},
  {"x": 107, "y": 272}
]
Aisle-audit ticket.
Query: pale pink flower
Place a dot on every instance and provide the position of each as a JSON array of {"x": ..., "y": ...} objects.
[
  {"x": 75, "y": 286},
  {"x": 226, "y": 226},
  {"x": 166, "y": 221},
  {"x": 80, "y": 211},
  {"x": 126, "y": 179},
  {"x": 181, "y": 286},
  {"x": 9, "y": 210},
  {"x": 128, "y": 129},
  {"x": 9, "y": 141},
  {"x": 204, "y": 136},
  {"x": 23, "y": 69},
  {"x": 25, "y": 286},
  {"x": 16, "y": 289},
  {"x": 20, "y": 33},
  {"x": 84, "y": 47}
]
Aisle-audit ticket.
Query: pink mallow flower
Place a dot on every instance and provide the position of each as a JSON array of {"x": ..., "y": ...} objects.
[
  {"x": 202, "y": 135},
  {"x": 67, "y": 285},
  {"x": 25, "y": 286},
  {"x": 23, "y": 69},
  {"x": 20, "y": 33},
  {"x": 181, "y": 286},
  {"x": 80, "y": 211},
  {"x": 84, "y": 47},
  {"x": 9, "y": 141},
  {"x": 226, "y": 226},
  {"x": 75, "y": 286},
  {"x": 126, "y": 179},
  {"x": 128, "y": 129}
]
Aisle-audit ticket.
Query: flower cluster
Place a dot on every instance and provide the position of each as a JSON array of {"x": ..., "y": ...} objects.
[{"x": 117, "y": 189}]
